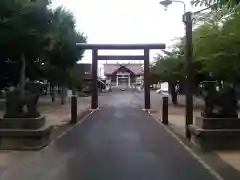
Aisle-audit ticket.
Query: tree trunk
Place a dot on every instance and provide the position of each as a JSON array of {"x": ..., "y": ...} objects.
[
  {"x": 22, "y": 80},
  {"x": 53, "y": 93},
  {"x": 219, "y": 83},
  {"x": 62, "y": 94},
  {"x": 173, "y": 93},
  {"x": 74, "y": 91}
]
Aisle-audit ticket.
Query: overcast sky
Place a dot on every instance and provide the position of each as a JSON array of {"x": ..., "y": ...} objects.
[{"x": 126, "y": 21}]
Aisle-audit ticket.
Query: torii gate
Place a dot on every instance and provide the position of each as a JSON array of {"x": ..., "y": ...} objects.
[{"x": 96, "y": 57}]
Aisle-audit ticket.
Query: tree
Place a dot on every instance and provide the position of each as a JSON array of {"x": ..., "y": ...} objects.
[
  {"x": 227, "y": 55},
  {"x": 216, "y": 50},
  {"x": 23, "y": 32},
  {"x": 219, "y": 3},
  {"x": 170, "y": 67},
  {"x": 216, "y": 46},
  {"x": 64, "y": 55},
  {"x": 37, "y": 42}
]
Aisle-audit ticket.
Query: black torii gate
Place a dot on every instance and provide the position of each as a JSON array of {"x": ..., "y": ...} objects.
[{"x": 96, "y": 57}]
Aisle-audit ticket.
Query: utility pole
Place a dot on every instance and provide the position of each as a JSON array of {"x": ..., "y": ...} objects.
[{"x": 187, "y": 19}]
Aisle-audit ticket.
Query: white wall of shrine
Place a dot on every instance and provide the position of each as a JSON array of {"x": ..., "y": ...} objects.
[{"x": 124, "y": 80}]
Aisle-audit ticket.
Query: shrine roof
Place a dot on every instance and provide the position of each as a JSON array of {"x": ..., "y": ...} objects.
[{"x": 111, "y": 68}]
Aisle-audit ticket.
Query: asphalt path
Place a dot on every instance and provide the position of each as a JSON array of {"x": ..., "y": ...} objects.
[{"x": 118, "y": 142}]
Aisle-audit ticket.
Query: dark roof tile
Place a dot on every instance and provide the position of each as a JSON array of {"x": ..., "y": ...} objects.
[{"x": 135, "y": 68}]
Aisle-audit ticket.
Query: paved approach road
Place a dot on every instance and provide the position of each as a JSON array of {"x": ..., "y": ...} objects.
[{"x": 119, "y": 142}]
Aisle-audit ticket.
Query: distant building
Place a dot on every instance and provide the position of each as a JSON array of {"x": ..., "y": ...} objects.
[
  {"x": 84, "y": 71},
  {"x": 124, "y": 74}
]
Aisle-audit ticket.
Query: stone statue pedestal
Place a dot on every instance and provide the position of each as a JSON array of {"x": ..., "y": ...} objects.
[
  {"x": 23, "y": 127},
  {"x": 216, "y": 133},
  {"x": 217, "y": 123},
  {"x": 22, "y": 123},
  {"x": 24, "y": 133}
]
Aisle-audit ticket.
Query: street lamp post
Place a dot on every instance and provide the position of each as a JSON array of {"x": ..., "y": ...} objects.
[
  {"x": 166, "y": 3},
  {"x": 187, "y": 19}
]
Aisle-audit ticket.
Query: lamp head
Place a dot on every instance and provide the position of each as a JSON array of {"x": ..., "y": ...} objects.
[{"x": 165, "y": 3}]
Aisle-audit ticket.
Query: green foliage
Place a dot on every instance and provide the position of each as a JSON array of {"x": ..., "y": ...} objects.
[
  {"x": 65, "y": 53},
  {"x": 219, "y": 3},
  {"x": 216, "y": 52},
  {"x": 73, "y": 80},
  {"x": 218, "y": 48},
  {"x": 47, "y": 38},
  {"x": 23, "y": 25},
  {"x": 168, "y": 68}
]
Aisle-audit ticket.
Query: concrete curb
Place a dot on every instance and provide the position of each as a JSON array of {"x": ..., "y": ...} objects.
[
  {"x": 79, "y": 117},
  {"x": 64, "y": 131},
  {"x": 188, "y": 146},
  {"x": 220, "y": 169},
  {"x": 190, "y": 149},
  {"x": 68, "y": 126}
]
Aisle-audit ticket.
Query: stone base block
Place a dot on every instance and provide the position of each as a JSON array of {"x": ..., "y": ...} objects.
[
  {"x": 22, "y": 139},
  {"x": 218, "y": 123},
  {"x": 22, "y": 123},
  {"x": 209, "y": 139}
]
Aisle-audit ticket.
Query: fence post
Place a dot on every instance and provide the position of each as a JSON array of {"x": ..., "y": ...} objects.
[
  {"x": 165, "y": 110},
  {"x": 73, "y": 109}
]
